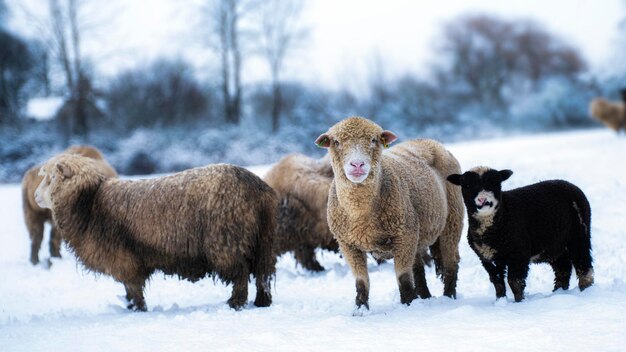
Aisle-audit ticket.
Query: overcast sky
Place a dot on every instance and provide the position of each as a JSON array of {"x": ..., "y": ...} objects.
[{"x": 345, "y": 35}]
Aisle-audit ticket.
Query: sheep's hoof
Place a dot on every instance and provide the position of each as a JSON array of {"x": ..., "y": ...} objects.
[
  {"x": 314, "y": 267},
  {"x": 137, "y": 308},
  {"x": 34, "y": 260},
  {"x": 360, "y": 311},
  {"x": 263, "y": 299},
  {"x": 236, "y": 303},
  {"x": 407, "y": 291}
]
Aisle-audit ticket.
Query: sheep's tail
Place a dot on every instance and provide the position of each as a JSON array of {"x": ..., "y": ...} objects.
[
  {"x": 581, "y": 253},
  {"x": 265, "y": 260}
]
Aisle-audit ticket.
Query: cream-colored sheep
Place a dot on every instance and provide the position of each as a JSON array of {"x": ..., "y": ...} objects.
[
  {"x": 393, "y": 203},
  {"x": 35, "y": 217},
  {"x": 611, "y": 114}
]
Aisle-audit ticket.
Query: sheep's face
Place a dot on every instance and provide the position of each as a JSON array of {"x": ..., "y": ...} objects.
[
  {"x": 481, "y": 188},
  {"x": 355, "y": 146},
  {"x": 42, "y": 193},
  {"x": 65, "y": 174}
]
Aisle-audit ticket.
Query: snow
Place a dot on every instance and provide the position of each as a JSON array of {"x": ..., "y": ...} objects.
[
  {"x": 63, "y": 307},
  {"x": 43, "y": 108}
]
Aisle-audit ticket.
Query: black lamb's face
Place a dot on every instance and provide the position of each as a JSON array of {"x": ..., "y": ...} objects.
[{"x": 481, "y": 188}]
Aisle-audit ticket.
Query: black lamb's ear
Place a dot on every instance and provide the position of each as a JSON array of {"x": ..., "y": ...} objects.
[
  {"x": 455, "y": 179},
  {"x": 505, "y": 174}
]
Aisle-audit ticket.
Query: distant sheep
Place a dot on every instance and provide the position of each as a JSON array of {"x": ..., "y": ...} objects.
[
  {"x": 217, "y": 220},
  {"x": 547, "y": 222},
  {"x": 302, "y": 185},
  {"x": 394, "y": 203},
  {"x": 611, "y": 114},
  {"x": 35, "y": 217}
]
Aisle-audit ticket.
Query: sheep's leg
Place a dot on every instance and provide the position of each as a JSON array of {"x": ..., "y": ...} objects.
[
  {"x": 263, "y": 291},
  {"x": 240, "y": 291},
  {"x": 446, "y": 255},
  {"x": 404, "y": 264},
  {"x": 421, "y": 287},
  {"x": 517, "y": 273},
  {"x": 496, "y": 276},
  {"x": 562, "y": 267},
  {"x": 134, "y": 295},
  {"x": 357, "y": 260},
  {"x": 55, "y": 243},
  {"x": 35, "y": 230},
  {"x": 306, "y": 257}
]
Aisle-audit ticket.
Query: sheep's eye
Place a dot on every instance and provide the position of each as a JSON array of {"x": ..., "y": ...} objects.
[
  {"x": 336, "y": 143},
  {"x": 374, "y": 140}
]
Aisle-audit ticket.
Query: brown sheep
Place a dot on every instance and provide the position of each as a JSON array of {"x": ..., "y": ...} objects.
[
  {"x": 394, "y": 203},
  {"x": 302, "y": 185},
  {"x": 611, "y": 114},
  {"x": 217, "y": 220},
  {"x": 35, "y": 217}
]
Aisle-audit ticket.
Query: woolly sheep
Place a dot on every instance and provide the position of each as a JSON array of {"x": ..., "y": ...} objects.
[
  {"x": 302, "y": 185},
  {"x": 35, "y": 217},
  {"x": 546, "y": 222},
  {"x": 611, "y": 114},
  {"x": 394, "y": 203},
  {"x": 217, "y": 220}
]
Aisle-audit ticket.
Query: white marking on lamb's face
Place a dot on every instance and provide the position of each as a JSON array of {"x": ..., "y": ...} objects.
[
  {"x": 486, "y": 203},
  {"x": 42, "y": 193},
  {"x": 357, "y": 165}
]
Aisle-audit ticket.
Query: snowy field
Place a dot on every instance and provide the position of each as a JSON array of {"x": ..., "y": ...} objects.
[{"x": 65, "y": 308}]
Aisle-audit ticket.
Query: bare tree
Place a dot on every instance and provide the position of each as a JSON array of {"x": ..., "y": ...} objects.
[
  {"x": 490, "y": 60},
  {"x": 281, "y": 31},
  {"x": 227, "y": 38}
]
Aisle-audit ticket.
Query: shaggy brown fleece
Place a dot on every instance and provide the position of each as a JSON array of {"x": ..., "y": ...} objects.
[
  {"x": 403, "y": 206},
  {"x": 35, "y": 217},
  {"x": 611, "y": 114},
  {"x": 216, "y": 220},
  {"x": 302, "y": 185}
]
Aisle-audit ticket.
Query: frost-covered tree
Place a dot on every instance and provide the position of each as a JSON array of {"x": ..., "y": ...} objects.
[
  {"x": 281, "y": 31},
  {"x": 490, "y": 61}
]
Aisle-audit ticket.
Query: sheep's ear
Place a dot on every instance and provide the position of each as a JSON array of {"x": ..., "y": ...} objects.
[
  {"x": 323, "y": 141},
  {"x": 505, "y": 174},
  {"x": 455, "y": 179},
  {"x": 388, "y": 137},
  {"x": 65, "y": 170}
]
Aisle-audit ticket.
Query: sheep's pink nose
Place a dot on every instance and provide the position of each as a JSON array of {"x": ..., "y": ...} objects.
[
  {"x": 357, "y": 164},
  {"x": 481, "y": 200}
]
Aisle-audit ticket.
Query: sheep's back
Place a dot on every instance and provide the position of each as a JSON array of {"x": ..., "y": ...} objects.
[{"x": 211, "y": 210}]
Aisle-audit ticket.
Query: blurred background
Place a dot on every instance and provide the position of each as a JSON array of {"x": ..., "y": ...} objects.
[{"x": 164, "y": 85}]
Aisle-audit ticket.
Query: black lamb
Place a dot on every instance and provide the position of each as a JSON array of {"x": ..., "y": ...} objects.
[{"x": 546, "y": 222}]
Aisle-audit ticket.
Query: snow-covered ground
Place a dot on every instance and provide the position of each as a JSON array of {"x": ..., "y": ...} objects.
[{"x": 64, "y": 308}]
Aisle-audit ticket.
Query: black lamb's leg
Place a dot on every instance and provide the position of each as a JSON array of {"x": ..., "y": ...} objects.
[
  {"x": 517, "y": 273},
  {"x": 496, "y": 276},
  {"x": 562, "y": 267}
]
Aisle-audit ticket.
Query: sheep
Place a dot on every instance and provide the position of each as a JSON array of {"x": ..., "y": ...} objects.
[
  {"x": 394, "y": 203},
  {"x": 217, "y": 220},
  {"x": 546, "y": 222},
  {"x": 35, "y": 217},
  {"x": 612, "y": 114},
  {"x": 302, "y": 185}
]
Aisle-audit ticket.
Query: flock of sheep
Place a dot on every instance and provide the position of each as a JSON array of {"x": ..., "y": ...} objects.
[{"x": 405, "y": 202}]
